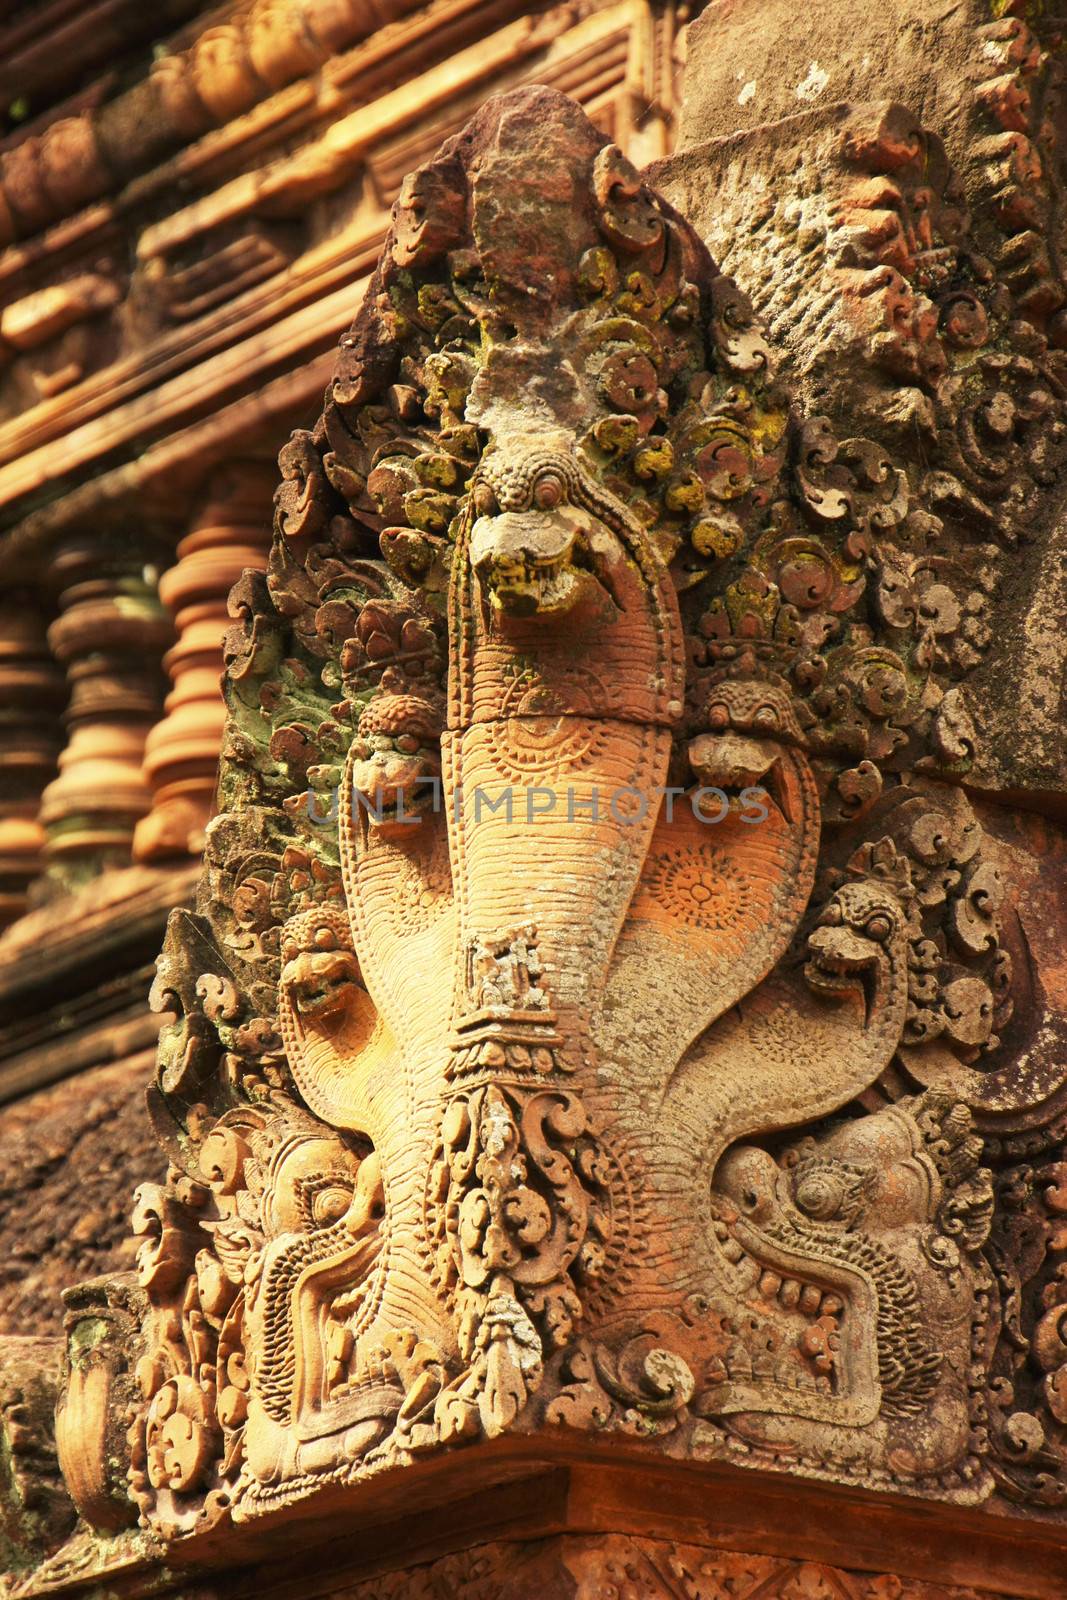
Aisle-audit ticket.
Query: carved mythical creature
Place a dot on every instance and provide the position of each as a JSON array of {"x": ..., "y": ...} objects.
[
  {"x": 282, "y": 1253},
  {"x": 748, "y": 722},
  {"x": 890, "y": 1212},
  {"x": 394, "y": 768},
  {"x": 563, "y": 589},
  {"x": 321, "y": 1208}
]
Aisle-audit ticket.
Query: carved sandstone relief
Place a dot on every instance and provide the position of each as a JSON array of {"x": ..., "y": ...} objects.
[
  {"x": 600, "y": 987},
  {"x": 909, "y": 272},
  {"x": 640, "y": 1569}
]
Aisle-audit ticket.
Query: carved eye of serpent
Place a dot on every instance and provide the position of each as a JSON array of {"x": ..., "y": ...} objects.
[
  {"x": 407, "y": 743},
  {"x": 549, "y": 491},
  {"x": 484, "y": 500},
  {"x": 330, "y": 1205},
  {"x": 820, "y": 1194},
  {"x": 878, "y": 927},
  {"x": 831, "y": 917},
  {"x": 324, "y": 1199},
  {"x": 325, "y": 938},
  {"x": 766, "y": 718},
  {"x": 718, "y": 718}
]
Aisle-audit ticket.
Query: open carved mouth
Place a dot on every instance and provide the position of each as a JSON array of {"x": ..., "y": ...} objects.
[
  {"x": 534, "y": 563},
  {"x": 831, "y": 972},
  {"x": 796, "y": 1354},
  {"x": 792, "y": 1362},
  {"x": 319, "y": 982},
  {"x": 840, "y": 965},
  {"x": 735, "y": 762},
  {"x": 315, "y": 1000},
  {"x": 391, "y": 810},
  {"x": 394, "y": 785},
  {"x": 757, "y": 1277},
  {"x": 529, "y": 588}
]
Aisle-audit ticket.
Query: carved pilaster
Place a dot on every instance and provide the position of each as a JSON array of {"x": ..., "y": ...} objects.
[
  {"x": 230, "y": 534},
  {"x": 32, "y": 692},
  {"x": 110, "y": 636}
]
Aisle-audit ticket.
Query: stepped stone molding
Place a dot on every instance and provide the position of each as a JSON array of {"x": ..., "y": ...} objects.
[{"x": 283, "y": 212}]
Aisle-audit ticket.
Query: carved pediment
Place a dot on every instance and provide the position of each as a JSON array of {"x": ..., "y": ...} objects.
[{"x": 599, "y": 989}]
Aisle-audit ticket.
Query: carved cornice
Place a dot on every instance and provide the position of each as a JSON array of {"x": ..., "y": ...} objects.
[
  {"x": 605, "y": 1502},
  {"x": 225, "y": 71}
]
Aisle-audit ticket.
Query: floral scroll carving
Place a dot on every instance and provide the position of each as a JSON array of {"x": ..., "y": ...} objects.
[{"x": 600, "y": 993}]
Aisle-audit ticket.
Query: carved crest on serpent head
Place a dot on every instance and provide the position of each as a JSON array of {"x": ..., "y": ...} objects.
[{"x": 592, "y": 1109}]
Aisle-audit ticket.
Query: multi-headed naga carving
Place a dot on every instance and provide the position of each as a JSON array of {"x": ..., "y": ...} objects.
[{"x": 571, "y": 871}]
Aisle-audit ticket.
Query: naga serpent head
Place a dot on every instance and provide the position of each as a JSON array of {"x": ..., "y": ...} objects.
[
  {"x": 858, "y": 943},
  {"x": 748, "y": 722},
  {"x": 534, "y": 542},
  {"x": 396, "y": 762},
  {"x": 319, "y": 965}
]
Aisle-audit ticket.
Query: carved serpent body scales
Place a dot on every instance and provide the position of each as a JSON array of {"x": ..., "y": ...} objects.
[{"x": 272, "y": 1304}]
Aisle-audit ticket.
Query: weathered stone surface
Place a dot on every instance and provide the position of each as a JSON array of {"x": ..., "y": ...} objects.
[
  {"x": 656, "y": 1052},
  {"x": 68, "y": 1158},
  {"x": 754, "y": 62},
  {"x": 886, "y": 190},
  {"x": 35, "y": 1510}
]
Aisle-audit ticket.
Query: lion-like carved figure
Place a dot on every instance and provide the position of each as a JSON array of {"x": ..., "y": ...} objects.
[
  {"x": 875, "y": 1227},
  {"x": 534, "y": 540},
  {"x": 321, "y": 1207},
  {"x": 394, "y": 767},
  {"x": 318, "y": 963},
  {"x": 856, "y": 941}
]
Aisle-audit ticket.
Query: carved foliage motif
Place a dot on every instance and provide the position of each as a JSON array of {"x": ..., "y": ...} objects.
[
  {"x": 641, "y": 1569},
  {"x": 597, "y": 996}
]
